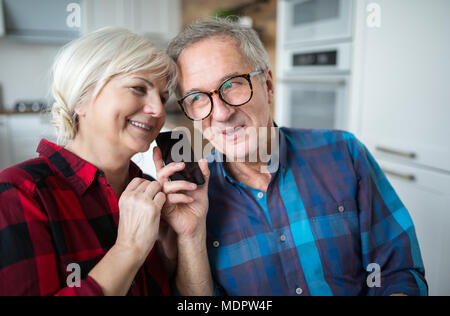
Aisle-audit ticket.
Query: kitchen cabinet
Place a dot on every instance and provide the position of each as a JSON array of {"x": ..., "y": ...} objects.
[
  {"x": 404, "y": 85},
  {"x": 157, "y": 19},
  {"x": 400, "y": 86},
  {"x": 48, "y": 21},
  {"x": 426, "y": 195},
  {"x": 2, "y": 20},
  {"x": 21, "y": 134},
  {"x": 5, "y": 158}
]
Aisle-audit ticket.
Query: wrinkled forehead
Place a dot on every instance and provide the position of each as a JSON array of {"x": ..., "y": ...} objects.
[{"x": 204, "y": 64}]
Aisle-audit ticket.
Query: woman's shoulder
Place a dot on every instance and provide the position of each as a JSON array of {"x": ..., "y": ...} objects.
[{"x": 25, "y": 174}]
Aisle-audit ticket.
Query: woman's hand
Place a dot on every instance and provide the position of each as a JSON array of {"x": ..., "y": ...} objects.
[
  {"x": 185, "y": 211},
  {"x": 187, "y": 204},
  {"x": 140, "y": 210}
]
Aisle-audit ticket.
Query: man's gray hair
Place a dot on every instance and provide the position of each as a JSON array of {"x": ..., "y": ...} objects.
[{"x": 248, "y": 41}]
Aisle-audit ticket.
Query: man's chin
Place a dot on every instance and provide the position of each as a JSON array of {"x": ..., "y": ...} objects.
[{"x": 240, "y": 154}]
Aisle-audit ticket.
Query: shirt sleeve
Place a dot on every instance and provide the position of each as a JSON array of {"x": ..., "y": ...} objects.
[
  {"x": 28, "y": 261},
  {"x": 390, "y": 250}
]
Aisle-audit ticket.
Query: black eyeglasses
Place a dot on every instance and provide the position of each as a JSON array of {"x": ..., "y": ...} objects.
[{"x": 235, "y": 91}]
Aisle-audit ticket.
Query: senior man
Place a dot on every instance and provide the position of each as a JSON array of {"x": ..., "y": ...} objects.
[{"x": 323, "y": 221}]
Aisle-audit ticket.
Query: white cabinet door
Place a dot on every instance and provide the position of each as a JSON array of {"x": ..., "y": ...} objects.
[
  {"x": 26, "y": 131},
  {"x": 426, "y": 195},
  {"x": 5, "y": 151},
  {"x": 404, "y": 87},
  {"x": 157, "y": 19},
  {"x": 100, "y": 13},
  {"x": 2, "y": 20}
]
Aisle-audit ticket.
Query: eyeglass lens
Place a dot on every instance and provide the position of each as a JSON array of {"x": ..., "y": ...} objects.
[{"x": 235, "y": 92}]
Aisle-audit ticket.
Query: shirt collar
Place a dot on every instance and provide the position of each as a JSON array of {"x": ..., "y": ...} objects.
[{"x": 78, "y": 172}]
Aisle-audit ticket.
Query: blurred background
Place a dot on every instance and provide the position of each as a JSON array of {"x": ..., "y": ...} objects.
[{"x": 378, "y": 69}]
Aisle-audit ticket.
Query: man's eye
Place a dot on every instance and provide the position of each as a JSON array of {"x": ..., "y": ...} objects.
[{"x": 228, "y": 85}]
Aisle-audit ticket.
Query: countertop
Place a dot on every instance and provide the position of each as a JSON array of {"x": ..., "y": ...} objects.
[{"x": 13, "y": 112}]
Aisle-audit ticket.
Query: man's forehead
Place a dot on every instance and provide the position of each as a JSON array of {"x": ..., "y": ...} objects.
[{"x": 210, "y": 61}]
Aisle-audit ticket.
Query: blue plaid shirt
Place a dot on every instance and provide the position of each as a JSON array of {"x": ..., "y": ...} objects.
[{"x": 328, "y": 214}]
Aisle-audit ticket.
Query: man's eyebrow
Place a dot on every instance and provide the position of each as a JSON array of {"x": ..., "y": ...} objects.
[
  {"x": 220, "y": 81},
  {"x": 143, "y": 79}
]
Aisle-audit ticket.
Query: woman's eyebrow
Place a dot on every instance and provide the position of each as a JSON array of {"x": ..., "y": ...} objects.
[{"x": 146, "y": 81}]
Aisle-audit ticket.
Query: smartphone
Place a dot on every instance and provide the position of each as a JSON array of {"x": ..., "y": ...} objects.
[{"x": 166, "y": 142}]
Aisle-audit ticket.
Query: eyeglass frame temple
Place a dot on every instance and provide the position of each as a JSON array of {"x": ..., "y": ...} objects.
[{"x": 211, "y": 94}]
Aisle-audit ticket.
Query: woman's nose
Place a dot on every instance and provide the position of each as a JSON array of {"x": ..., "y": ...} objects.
[
  {"x": 221, "y": 111},
  {"x": 154, "y": 107}
]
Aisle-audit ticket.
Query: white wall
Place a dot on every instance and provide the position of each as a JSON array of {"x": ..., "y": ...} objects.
[{"x": 25, "y": 70}]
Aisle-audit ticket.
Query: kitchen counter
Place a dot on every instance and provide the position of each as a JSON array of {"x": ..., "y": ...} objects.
[{"x": 13, "y": 112}]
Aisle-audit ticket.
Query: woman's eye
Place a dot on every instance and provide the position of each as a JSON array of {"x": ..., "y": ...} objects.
[{"x": 140, "y": 90}]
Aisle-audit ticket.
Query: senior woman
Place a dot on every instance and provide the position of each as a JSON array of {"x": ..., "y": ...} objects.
[{"x": 83, "y": 219}]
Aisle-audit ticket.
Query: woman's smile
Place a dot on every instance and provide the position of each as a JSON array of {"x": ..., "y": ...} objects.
[{"x": 143, "y": 127}]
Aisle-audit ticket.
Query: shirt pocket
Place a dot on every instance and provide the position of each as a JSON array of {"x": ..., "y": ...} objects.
[{"x": 337, "y": 235}]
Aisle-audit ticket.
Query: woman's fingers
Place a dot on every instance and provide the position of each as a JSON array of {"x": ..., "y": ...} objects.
[
  {"x": 134, "y": 184},
  {"x": 157, "y": 159},
  {"x": 165, "y": 173},
  {"x": 160, "y": 199},
  {"x": 203, "y": 164},
  {"x": 178, "y": 198},
  {"x": 177, "y": 186},
  {"x": 152, "y": 189}
]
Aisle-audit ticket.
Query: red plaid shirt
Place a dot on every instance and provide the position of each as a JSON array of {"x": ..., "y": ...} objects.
[{"x": 56, "y": 210}]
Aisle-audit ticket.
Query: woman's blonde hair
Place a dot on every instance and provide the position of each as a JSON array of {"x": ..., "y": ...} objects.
[{"x": 84, "y": 66}]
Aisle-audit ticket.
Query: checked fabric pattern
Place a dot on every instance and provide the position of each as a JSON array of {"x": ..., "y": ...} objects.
[
  {"x": 56, "y": 210},
  {"x": 329, "y": 212}
]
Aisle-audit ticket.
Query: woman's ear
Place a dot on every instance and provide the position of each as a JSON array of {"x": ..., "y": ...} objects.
[{"x": 81, "y": 109}]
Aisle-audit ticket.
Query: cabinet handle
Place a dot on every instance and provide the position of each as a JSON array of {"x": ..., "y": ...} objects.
[
  {"x": 408, "y": 177},
  {"x": 410, "y": 155}
]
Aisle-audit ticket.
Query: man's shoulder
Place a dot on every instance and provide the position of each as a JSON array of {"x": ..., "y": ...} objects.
[{"x": 304, "y": 139}]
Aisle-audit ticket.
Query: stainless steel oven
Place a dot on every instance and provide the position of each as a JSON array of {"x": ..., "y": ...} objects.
[
  {"x": 313, "y": 91},
  {"x": 316, "y": 20}
]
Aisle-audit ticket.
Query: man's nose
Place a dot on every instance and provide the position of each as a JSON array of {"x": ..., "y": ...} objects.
[{"x": 221, "y": 111}]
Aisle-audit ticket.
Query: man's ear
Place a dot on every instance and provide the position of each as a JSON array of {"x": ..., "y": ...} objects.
[{"x": 270, "y": 86}]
